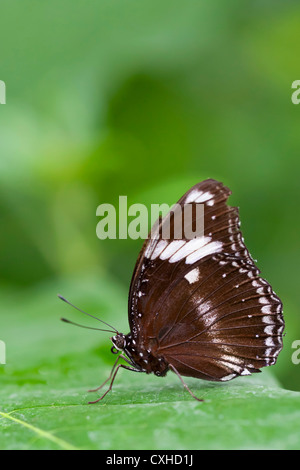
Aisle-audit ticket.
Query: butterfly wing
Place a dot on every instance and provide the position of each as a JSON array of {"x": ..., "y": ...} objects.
[{"x": 201, "y": 304}]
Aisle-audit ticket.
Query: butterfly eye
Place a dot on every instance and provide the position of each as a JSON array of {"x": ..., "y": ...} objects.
[{"x": 114, "y": 350}]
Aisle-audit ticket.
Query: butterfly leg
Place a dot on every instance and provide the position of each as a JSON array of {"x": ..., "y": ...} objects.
[
  {"x": 183, "y": 382},
  {"x": 111, "y": 373},
  {"x": 112, "y": 380}
]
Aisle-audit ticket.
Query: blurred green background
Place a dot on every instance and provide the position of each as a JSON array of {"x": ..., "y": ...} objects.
[{"x": 142, "y": 99}]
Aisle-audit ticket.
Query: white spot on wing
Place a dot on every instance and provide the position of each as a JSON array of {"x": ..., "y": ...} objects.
[
  {"x": 159, "y": 248},
  {"x": 172, "y": 248},
  {"x": 266, "y": 309},
  {"x": 263, "y": 300},
  {"x": 235, "y": 360},
  {"x": 232, "y": 366},
  {"x": 209, "y": 249},
  {"x": 193, "y": 196},
  {"x": 245, "y": 372},
  {"x": 204, "y": 197},
  {"x": 228, "y": 377},
  {"x": 192, "y": 276},
  {"x": 198, "y": 196},
  {"x": 269, "y": 342},
  {"x": 188, "y": 248},
  {"x": 268, "y": 320},
  {"x": 269, "y": 330},
  {"x": 202, "y": 309},
  {"x": 255, "y": 284}
]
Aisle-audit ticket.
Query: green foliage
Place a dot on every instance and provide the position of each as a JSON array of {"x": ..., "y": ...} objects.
[
  {"x": 142, "y": 99},
  {"x": 50, "y": 366}
]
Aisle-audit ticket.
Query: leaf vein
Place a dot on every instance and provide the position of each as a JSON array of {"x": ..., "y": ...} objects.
[{"x": 40, "y": 432}]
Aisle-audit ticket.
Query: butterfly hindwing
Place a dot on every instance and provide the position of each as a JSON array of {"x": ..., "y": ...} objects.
[{"x": 233, "y": 329}]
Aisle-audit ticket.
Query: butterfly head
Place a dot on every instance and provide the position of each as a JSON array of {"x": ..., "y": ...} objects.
[{"x": 119, "y": 342}]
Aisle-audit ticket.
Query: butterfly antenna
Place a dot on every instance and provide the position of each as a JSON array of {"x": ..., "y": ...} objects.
[
  {"x": 83, "y": 326},
  {"x": 82, "y": 311}
]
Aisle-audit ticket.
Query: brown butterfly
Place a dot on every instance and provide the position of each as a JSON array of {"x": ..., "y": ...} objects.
[{"x": 198, "y": 307}]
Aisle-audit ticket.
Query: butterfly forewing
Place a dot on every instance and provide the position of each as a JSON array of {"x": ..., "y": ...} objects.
[{"x": 200, "y": 304}]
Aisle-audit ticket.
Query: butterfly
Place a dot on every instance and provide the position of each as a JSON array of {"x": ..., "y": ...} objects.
[{"x": 198, "y": 307}]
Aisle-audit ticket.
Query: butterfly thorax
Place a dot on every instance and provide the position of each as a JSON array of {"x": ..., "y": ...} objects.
[{"x": 143, "y": 359}]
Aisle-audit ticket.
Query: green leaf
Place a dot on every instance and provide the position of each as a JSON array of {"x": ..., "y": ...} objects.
[{"x": 50, "y": 366}]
